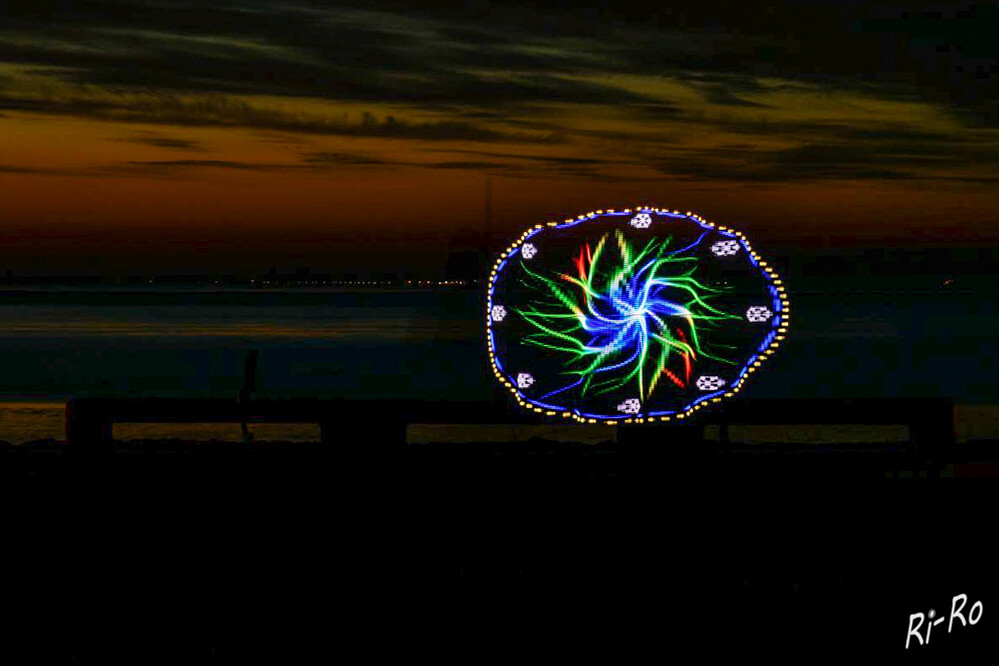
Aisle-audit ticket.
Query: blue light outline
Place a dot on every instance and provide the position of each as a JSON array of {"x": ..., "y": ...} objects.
[{"x": 775, "y": 322}]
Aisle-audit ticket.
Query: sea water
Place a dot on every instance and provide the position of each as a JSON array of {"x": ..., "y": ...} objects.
[{"x": 56, "y": 343}]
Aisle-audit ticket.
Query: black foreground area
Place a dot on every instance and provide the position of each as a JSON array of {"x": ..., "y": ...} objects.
[{"x": 187, "y": 553}]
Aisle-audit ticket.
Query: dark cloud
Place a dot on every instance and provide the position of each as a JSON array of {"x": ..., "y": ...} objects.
[
  {"x": 719, "y": 94},
  {"x": 104, "y": 171},
  {"x": 654, "y": 110},
  {"x": 347, "y": 159},
  {"x": 586, "y": 175},
  {"x": 154, "y": 168},
  {"x": 316, "y": 162},
  {"x": 976, "y": 180},
  {"x": 887, "y": 134},
  {"x": 468, "y": 165},
  {"x": 548, "y": 163},
  {"x": 219, "y": 164},
  {"x": 483, "y": 115},
  {"x": 7, "y": 168},
  {"x": 223, "y": 111},
  {"x": 775, "y": 172},
  {"x": 829, "y": 161},
  {"x": 898, "y": 134},
  {"x": 530, "y": 158},
  {"x": 164, "y": 142},
  {"x": 628, "y": 139}
]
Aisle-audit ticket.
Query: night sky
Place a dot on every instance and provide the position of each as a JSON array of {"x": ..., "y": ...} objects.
[{"x": 172, "y": 136}]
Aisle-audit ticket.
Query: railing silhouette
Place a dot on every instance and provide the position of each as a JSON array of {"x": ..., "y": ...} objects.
[{"x": 89, "y": 421}]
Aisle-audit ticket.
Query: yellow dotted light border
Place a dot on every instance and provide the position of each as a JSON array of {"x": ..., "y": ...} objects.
[{"x": 771, "y": 274}]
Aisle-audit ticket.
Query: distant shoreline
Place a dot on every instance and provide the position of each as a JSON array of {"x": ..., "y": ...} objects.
[
  {"x": 179, "y": 288},
  {"x": 193, "y": 289}
]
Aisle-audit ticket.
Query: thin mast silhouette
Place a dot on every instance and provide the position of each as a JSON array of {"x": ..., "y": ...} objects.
[{"x": 488, "y": 241}]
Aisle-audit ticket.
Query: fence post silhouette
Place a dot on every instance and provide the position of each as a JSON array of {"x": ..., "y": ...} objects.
[
  {"x": 249, "y": 388},
  {"x": 86, "y": 429}
]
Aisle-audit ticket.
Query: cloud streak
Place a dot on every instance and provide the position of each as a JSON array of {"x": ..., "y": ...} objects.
[
  {"x": 218, "y": 110},
  {"x": 164, "y": 142}
]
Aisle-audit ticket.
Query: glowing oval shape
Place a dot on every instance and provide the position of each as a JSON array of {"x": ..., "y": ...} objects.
[{"x": 640, "y": 315}]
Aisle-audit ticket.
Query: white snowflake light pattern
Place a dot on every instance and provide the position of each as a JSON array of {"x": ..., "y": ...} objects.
[
  {"x": 641, "y": 221},
  {"x": 630, "y": 406},
  {"x": 603, "y": 345},
  {"x": 725, "y": 248},
  {"x": 710, "y": 383}
]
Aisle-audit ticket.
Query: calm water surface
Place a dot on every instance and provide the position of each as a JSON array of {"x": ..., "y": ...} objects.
[{"x": 55, "y": 344}]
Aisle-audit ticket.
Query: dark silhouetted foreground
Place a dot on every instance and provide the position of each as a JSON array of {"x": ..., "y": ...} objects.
[{"x": 656, "y": 544}]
